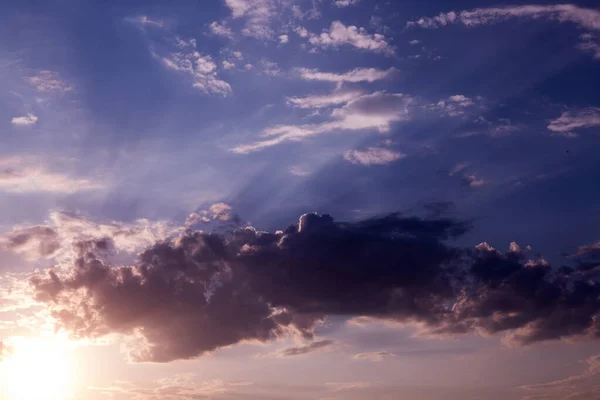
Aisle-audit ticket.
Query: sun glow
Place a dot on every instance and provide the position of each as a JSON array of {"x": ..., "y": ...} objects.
[{"x": 36, "y": 369}]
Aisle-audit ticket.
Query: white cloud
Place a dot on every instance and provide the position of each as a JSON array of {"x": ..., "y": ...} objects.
[
  {"x": 301, "y": 31},
  {"x": 26, "y": 120},
  {"x": 144, "y": 20},
  {"x": 29, "y": 179},
  {"x": 200, "y": 67},
  {"x": 248, "y": 66},
  {"x": 258, "y": 15},
  {"x": 49, "y": 81},
  {"x": 228, "y": 64},
  {"x": 454, "y": 106},
  {"x": 375, "y": 111},
  {"x": 414, "y": 42},
  {"x": 283, "y": 39},
  {"x": 586, "y": 18},
  {"x": 356, "y": 75},
  {"x": 219, "y": 29},
  {"x": 322, "y": 101},
  {"x": 571, "y": 120},
  {"x": 345, "y": 3},
  {"x": 340, "y": 34},
  {"x": 238, "y": 55},
  {"x": 270, "y": 68},
  {"x": 373, "y": 156},
  {"x": 457, "y": 168}
]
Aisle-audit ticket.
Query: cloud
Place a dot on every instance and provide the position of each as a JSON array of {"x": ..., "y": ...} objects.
[
  {"x": 49, "y": 81},
  {"x": 201, "y": 68},
  {"x": 377, "y": 356},
  {"x": 257, "y": 14},
  {"x": 584, "y": 18},
  {"x": 473, "y": 181},
  {"x": 26, "y": 120},
  {"x": 356, "y": 75},
  {"x": 228, "y": 64},
  {"x": 340, "y": 34},
  {"x": 63, "y": 230},
  {"x": 301, "y": 31},
  {"x": 144, "y": 20},
  {"x": 30, "y": 179},
  {"x": 373, "y": 156},
  {"x": 181, "y": 386},
  {"x": 219, "y": 29},
  {"x": 454, "y": 106},
  {"x": 270, "y": 68},
  {"x": 283, "y": 39},
  {"x": 583, "y": 386},
  {"x": 571, "y": 120},
  {"x": 194, "y": 293},
  {"x": 323, "y": 101},
  {"x": 375, "y": 111},
  {"x": 347, "y": 386},
  {"x": 345, "y": 3},
  {"x": 302, "y": 350}
]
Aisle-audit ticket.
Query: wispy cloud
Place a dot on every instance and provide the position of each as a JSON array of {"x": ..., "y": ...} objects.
[
  {"x": 375, "y": 111},
  {"x": 26, "y": 120},
  {"x": 325, "y": 100},
  {"x": 49, "y": 81},
  {"x": 454, "y": 106},
  {"x": 339, "y": 34},
  {"x": 584, "y": 18},
  {"x": 373, "y": 156},
  {"x": 356, "y": 75},
  {"x": 572, "y": 120},
  {"x": 17, "y": 175},
  {"x": 376, "y": 356},
  {"x": 345, "y": 3},
  {"x": 301, "y": 350}
]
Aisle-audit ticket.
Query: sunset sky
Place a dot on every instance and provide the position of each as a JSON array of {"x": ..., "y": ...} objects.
[{"x": 299, "y": 200}]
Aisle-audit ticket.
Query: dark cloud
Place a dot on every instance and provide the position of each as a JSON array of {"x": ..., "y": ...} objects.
[
  {"x": 301, "y": 350},
  {"x": 202, "y": 291},
  {"x": 38, "y": 240}
]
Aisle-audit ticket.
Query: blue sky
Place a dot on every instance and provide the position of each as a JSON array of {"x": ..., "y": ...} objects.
[{"x": 158, "y": 116}]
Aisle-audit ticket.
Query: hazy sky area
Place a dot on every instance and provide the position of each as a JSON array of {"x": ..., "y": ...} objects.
[{"x": 299, "y": 200}]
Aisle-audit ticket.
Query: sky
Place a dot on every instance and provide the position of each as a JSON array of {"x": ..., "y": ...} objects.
[{"x": 299, "y": 200}]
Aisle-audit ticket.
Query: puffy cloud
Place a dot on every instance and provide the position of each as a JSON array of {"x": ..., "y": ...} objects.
[
  {"x": 302, "y": 350},
  {"x": 198, "y": 292},
  {"x": 26, "y": 120},
  {"x": 228, "y": 64},
  {"x": 49, "y": 81},
  {"x": 283, "y": 39},
  {"x": 219, "y": 29},
  {"x": 585, "y": 18},
  {"x": 301, "y": 31},
  {"x": 571, "y": 120},
  {"x": 345, "y": 3},
  {"x": 356, "y": 75},
  {"x": 340, "y": 34},
  {"x": 201, "y": 68},
  {"x": 257, "y": 14},
  {"x": 373, "y": 156},
  {"x": 270, "y": 68},
  {"x": 375, "y": 111}
]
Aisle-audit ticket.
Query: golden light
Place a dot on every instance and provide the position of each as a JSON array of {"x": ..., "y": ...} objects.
[{"x": 36, "y": 369}]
